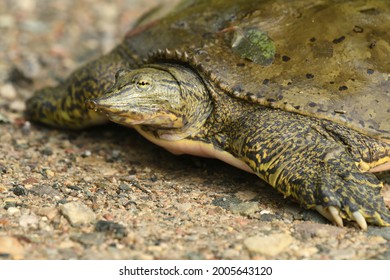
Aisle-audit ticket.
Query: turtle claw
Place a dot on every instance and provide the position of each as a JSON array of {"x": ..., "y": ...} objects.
[
  {"x": 360, "y": 220},
  {"x": 331, "y": 213},
  {"x": 335, "y": 213},
  {"x": 344, "y": 194},
  {"x": 320, "y": 209}
]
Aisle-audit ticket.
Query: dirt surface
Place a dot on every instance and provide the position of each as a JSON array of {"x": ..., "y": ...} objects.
[{"x": 106, "y": 193}]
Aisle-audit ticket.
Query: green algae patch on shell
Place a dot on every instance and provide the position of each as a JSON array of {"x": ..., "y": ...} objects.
[
  {"x": 329, "y": 59},
  {"x": 254, "y": 45}
]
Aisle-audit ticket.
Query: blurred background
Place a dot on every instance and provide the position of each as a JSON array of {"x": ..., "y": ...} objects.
[{"x": 43, "y": 40}]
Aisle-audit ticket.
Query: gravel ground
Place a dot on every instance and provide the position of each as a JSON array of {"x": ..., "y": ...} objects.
[{"x": 106, "y": 193}]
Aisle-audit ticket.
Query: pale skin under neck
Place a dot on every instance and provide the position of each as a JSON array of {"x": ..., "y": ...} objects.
[{"x": 195, "y": 148}]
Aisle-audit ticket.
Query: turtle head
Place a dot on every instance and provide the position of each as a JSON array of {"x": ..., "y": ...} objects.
[
  {"x": 164, "y": 98},
  {"x": 146, "y": 96}
]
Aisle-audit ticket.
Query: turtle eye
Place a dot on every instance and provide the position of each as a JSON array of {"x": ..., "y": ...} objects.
[{"x": 143, "y": 84}]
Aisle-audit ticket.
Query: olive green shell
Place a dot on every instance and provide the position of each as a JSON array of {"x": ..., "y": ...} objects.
[{"x": 329, "y": 59}]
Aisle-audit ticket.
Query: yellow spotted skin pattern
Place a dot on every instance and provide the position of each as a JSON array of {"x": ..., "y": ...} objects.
[
  {"x": 64, "y": 105},
  {"x": 314, "y": 161}
]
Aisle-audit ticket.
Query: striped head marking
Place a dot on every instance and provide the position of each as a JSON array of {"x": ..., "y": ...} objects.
[{"x": 159, "y": 96}]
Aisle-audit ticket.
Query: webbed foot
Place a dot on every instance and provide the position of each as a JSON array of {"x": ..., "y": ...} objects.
[
  {"x": 335, "y": 186},
  {"x": 323, "y": 165}
]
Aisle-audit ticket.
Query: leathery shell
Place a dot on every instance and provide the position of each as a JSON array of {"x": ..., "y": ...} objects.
[{"x": 331, "y": 59}]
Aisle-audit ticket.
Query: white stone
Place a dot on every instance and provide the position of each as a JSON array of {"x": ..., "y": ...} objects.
[
  {"x": 13, "y": 211},
  {"x": 29, "y": 221},
  {"x": 271, "y": 245},
  {"x": 183, "y": 207},
  {"x": 17, "y": 106},
  {"x": 77, "y": 213},
  {"x": 8, "y": 92}
]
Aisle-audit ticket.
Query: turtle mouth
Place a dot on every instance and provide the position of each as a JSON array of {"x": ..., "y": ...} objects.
[
  {"x": 151, "y": 116},
  {"x": 114, "y": 114}
]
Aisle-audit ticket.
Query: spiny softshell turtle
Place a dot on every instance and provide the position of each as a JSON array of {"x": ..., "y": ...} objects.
[{"x": 296, "y": 92}]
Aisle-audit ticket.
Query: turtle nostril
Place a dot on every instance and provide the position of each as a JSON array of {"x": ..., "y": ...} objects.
[{"x": 91, "y": 104}]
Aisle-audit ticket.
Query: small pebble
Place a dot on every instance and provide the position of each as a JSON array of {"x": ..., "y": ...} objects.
[
  {"x": 17, "y": 106},
  {"x": 13, "y": 211},
  {"x": 8, "y": 91},
  {"x": 246, "y": 195},
  {"x": 306, "y": 252},
  {"x": 269, "y": 217},
  {"x": 115, "y": 154},
  {"x": 88, "y": 179},
  {"x": 17, "y": 77},
  {"x": 41, "y": 190},
  {"x": 34, "y": 26},
  {"x": 124, "y": 187},
  {"x": 230, "y": 254},
  {"x": 75, "y": 188},
  {"x": 19, "y": 190},
  {"x": 29, "y": 221},
  {"x": 62, "y": 201},
  {"x": 77, "y": 213},
  {"x": 245, "y": 208},
  {"x": 12, "y": 247},
  {"x": 310, "y": 230},
  {"x": 153, "y": 178},
  {"x": 2, "y": 188},
  {"x": 132, "y": 171},
  {"x": 26, "y": 128},
  {"x": 7, "y": 21},
  {"x": 147, "y": 170},
  {"x": 3, "y": 119},
  {"x": 47, "y": 151},
  {"x": 108, "y": 217},
  {"x": 183, "y": 207},
  {"x": 89, "y": 239},
  {"x": 86, "y": 153},
  {"x": 49, "y": 173},
  {"x": 343, "y": 254},
  {"x": 48, "y": 212},
  {"x": 9, "y": 202},
  {"x": 111, "y": 227},
  {"x": 107, "y": 171},
  {"x": 271, "y": 245},
  {"x": 225, "y": 202},
  {"x": 3, "y": 169}
]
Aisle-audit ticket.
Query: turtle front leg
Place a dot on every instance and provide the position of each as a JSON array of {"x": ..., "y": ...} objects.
[
  {"x": 312, "y": 161},
  {"x": 64, "y": 105}
]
